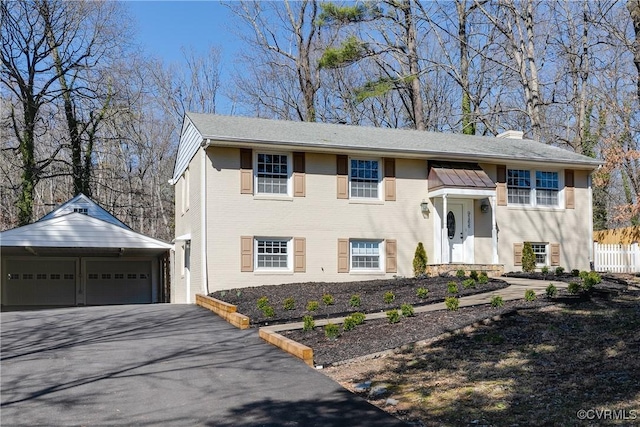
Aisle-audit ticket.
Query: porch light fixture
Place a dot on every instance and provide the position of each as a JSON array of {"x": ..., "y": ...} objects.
[
  {"x": 484, "y": 207},
  {"x": 424, "y": 207}
]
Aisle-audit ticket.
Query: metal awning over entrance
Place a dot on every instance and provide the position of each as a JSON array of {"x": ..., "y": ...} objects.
[
  {"x": 464, "y": 179},
  {"x": 454, "y": 188}
]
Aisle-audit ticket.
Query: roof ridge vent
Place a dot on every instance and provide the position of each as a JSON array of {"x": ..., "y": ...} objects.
[{"x": 511, "y": 134}]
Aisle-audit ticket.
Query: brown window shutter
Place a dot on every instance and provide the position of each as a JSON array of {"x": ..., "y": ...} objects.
[
  {"x": 391, "y": 249},
  {"x": 299, "y": 255},
  {"x": 343, "y": 255},
  {"x": 246, "y": 253},
  {"x": 246, "y": 171},
  {"x": 342, "y": 172},
  {"x": 390, "y": 179},
  {"x": 555, "y": 253},
  {"x": 517, "y": 253},
  {"x": 501, "y": 186},
  {"x": 298, "y": 174},
  {"x": 569, "y": 191}
]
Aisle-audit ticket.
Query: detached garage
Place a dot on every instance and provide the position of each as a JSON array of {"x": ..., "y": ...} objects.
[{"x": 79, "y": 254}]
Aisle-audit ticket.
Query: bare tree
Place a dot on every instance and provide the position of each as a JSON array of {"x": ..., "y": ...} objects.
[
  {"x": 51, "y": 48},
  {"x": 284, "y": 40}
]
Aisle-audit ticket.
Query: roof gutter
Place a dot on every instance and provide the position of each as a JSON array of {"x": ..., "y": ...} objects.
[{"x": 334, "y": 148}]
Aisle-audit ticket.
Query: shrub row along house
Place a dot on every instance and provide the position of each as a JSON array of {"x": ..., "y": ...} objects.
[{"x": 268, "y": 202}]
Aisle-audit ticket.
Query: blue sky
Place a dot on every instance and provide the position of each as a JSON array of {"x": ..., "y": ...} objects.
[{"x": 164, "y": 27}]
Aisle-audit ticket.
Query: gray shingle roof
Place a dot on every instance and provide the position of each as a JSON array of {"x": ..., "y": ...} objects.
[{"x": 360, "y": 138}]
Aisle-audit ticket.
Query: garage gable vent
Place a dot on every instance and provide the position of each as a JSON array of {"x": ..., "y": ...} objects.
[{"x": 84, "y": 205}]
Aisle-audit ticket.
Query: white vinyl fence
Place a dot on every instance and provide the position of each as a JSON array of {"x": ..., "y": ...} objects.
[{"x": 617, "y": 258}]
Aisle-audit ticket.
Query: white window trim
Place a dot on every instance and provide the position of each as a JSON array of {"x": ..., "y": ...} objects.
[
  {"x": 289, "y": 193},
  {"x": 288, "y": 269},
  {"x": 532, "y": 190},
  {"x": 380, "y": 180},
  {"x": 547, "y": 254},
  {"x": 381, "y": 261}
]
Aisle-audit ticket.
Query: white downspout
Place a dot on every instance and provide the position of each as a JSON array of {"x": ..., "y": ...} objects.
[{"x": 203, "y": 219}]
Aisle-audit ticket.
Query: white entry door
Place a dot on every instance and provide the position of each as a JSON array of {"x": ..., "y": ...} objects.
[{"x": 455, "y": 232}]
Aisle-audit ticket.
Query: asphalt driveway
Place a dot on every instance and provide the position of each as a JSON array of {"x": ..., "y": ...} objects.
[{"x": 160, "y": 365}]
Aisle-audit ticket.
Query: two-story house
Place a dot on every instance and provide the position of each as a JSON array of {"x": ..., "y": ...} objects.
[{"x": 268, "y": 202}]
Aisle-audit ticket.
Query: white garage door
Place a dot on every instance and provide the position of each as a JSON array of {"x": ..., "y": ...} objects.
[
  {"x": 118, "y": 282},
  {"x": 40, "y": 282}
]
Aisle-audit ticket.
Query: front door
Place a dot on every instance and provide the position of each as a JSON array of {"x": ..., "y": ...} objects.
[{"x": 455, "y": 232}]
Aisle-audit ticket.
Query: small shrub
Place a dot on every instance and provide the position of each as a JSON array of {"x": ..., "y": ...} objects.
[
  {"x": 551, "y": 290},
  {"x": 575, "y": 272},
  {"x": 589, "y": 280},
  {"x": 393, "y": 316},
  {"x": 574, "y": 288},
  {"x": 559, "y": 271},
  {"x": 529, "y": 295},
  {"x": 407, "y": 310},
  {"x": 238, "y": 294},
  {"x": 331, "y": 331},
  {"x": 312, "y": 305},
  {"x": 328, "y": 299},
  {"x": 348, "y": 324},
  {"x": 222, "y": 294},
  {"x": 262, "y": 302},
  {"x": 483, "y": 279},
  {"x": 309, "y": 324},
  {"x": 355, "y": 300},
  {"x": 452, "y": 303},
  {"x": 269, "y": 311},
  {"x": 452, "y": 287},
  {"x": 528, "y": 258},
  {"x": 468, "y": 283},
  {"x": 419, "y": 260},
  {"x": 289, "y": 304},
  {"x": 474, "y": 275},
  {"x": 497, "y": 301},
  {"x": 388, "y": 297},
  {"x": 544, "y": 270},
  {"x": 460, "y": 274},
  {"x": 422, "y": 292},
  {"x": 358, "y": 317}
]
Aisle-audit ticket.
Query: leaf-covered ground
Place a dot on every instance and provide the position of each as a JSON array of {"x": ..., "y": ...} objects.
[{"x": 540, "y": 366}]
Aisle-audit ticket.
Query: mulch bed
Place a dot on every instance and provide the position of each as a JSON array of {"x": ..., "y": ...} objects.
[
  {"x": 378, "y": 335},
  {"x": 371, "y": 295}
]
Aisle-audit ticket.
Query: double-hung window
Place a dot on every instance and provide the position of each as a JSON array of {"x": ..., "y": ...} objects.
[
  {"x": 547, "y": 187},
  {"x": 366, "y": 254},
  {"x": 540, "y": 251},
  {"x": 523, "y": 190},
  {"x": 364, "y": 178},
  {"x": 519, "y": 186},
  {"x": 272, "y": 174},
  {"x": 273, "y": 254}
]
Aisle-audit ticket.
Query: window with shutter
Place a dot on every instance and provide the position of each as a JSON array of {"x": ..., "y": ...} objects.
[
  {"x": 246, "y": 171},
  {"x": 246, "y": 253},
  {"x": 299, "y": 174},
  {"x": 299, "y": 255},
  {"x": 517, "y": 253},
  {"x": 390, "y": 179},
  {"x": 391, "y": 258}
]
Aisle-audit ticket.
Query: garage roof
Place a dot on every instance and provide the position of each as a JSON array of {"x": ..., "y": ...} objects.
[{"x": 77, "y": 230}]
